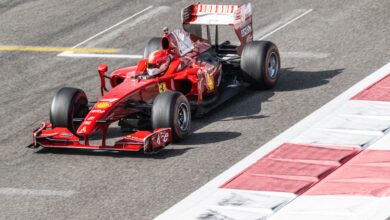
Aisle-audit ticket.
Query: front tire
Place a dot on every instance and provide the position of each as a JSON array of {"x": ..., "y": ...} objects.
[
  {"x": 172, "y": 110},
  {"x": 260, "y": 64},
  {"x": 68, "y": 103}
]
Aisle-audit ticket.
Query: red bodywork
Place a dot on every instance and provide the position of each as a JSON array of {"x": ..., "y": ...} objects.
[
  {"x": 132, "y": 88},
  {"x": 192, "y": 71}
]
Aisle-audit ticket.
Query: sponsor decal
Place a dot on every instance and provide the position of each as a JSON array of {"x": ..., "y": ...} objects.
[
  {"x": 66, "y": 135},
  {"x": 210, "y": 82},
  {"x": 134, "y": 138},
  {"x": 110, "y": 116},
  {"x": 103, "y": 105},
  {"x": 83, "y": 129},
  {"x": 91, "y": 118},
  {"x": 108, "y": 100},
  {"x": 87, "y": 122},
  {"x": 246, "y": 30},
  {"x": 98, "y": 111},
  {"x": 161, "y": 138},
  {"x": 162, "y": 87},
  {"x": 48, "y": 135}
]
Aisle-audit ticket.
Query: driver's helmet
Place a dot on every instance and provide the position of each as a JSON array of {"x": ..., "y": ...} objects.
[{"x": 158, "y": 62}]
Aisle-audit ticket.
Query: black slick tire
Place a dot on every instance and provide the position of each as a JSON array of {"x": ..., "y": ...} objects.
[
  {"x": 68, "y": 103},
  {"x": 172, "y": 110},
  {"x": 260, "y": 64}
]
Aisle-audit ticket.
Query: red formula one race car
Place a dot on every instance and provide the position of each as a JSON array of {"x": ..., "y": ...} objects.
[{"x": 184, "y": 73}]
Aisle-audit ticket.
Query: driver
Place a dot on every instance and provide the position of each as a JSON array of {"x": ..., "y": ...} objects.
[{"x": 158, "y": 62}]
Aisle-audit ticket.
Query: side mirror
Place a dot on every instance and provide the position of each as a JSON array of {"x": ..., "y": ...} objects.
[{"x": 102, "y": 69}]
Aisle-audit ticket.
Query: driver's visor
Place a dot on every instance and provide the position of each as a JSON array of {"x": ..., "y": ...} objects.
[{"x": 152, "y": 65}]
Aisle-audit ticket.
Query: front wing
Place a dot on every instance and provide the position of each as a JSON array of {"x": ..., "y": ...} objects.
[{"x": 150, "y": 142}]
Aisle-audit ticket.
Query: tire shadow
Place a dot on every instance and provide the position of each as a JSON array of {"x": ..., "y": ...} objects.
[
  {"x": 291, "y": 80},
  {"x": 163, "y": 154},
  {"x": 209, "y": 138}
]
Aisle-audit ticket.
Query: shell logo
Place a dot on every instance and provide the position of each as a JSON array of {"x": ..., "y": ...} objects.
[{"x": 103, "y": 105}]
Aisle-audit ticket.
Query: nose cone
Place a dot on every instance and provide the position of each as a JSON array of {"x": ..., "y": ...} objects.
[
  {"x": 88, "y": 126},
  {"x": 98, "y": 112}
]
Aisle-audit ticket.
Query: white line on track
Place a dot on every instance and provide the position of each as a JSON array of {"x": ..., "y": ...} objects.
[
  {"x": 98, "y": 55},
  {"x": 137, "y": 56},
  {"x": 110, "y": 28},
  {"x": 113, "y": 26},
  {"x": 285, "y": 24},
  {"x": 35, "y": 192},
  {"x": 113, "y": 34},
  {"x": 140, "y": 19}
]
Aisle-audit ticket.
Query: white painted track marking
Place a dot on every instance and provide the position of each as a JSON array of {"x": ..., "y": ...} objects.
[
  {"x": 285, "y": 24},
  {"x": 210, "y": 187},
  {"x": 140, "y": 19},
  {"x": 97, "y": 55},
  {"x": 382, "y": 144},
  {"x": 35, "y": 192},
  {"x": 286, "y": 17},
  {"x": 274, "y": 27},
  {"x": 113, "y": 26}
]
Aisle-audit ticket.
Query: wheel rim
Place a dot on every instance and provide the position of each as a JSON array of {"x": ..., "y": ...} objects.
[
  {"x": 273, "y": 65},
  {"x": 183, "y": 117}
]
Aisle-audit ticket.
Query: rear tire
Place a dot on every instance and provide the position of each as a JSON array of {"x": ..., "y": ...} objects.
[
  {"x": 68, "y": 103},
  {"x": 260, "y": 64},
  {"x": 172, "y": 110},
  {"x": 152, "y": 45}
]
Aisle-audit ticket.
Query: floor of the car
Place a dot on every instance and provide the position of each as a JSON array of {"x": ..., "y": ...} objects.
[{"x": 227, "y": 91}]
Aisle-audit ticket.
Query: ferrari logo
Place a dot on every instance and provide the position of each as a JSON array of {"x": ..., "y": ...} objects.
[{"x": 162, "y": 87}]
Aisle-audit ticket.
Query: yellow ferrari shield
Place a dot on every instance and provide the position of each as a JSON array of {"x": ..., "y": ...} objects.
[{"x": 162, "y": 87}]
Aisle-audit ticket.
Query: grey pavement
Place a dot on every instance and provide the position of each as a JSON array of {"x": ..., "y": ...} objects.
[{"x": 323, "y": 54}]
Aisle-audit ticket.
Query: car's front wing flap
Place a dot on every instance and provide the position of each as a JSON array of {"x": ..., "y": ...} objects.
[{"x": 150, "y": 142}]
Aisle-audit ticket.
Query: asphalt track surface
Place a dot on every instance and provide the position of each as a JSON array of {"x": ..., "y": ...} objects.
[{"x": 323, "y": 53}]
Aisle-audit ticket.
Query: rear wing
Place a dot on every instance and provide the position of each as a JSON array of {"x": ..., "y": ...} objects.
[{"x": 238, "y": 16}]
